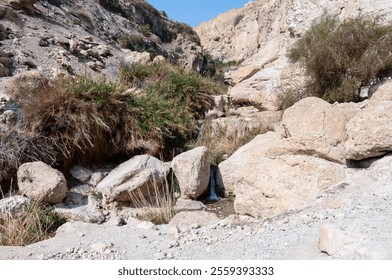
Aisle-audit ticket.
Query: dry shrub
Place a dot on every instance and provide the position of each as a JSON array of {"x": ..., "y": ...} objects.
[
  {"x": 37, "y": 223},
  {"x": 340, "y": 57}
]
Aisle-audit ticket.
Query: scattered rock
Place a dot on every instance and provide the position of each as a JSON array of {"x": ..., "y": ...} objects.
[
  {"x": 188, "y": 205},
  {"x": 192, "y": 171},
  {"x": 38, "y": 180},
  {"x": 3, "y": 71},
  {"x": 146, "y": 225},
  {"x": 95, "y": 178},
  {"x": 332, "y": 240},
  {"x": 81, "y": 173}
]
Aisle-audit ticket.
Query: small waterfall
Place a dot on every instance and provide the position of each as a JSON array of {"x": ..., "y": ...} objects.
[{"x": 213, "y": 196}]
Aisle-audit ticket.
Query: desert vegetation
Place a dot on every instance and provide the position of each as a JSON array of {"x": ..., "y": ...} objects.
[
  {"x": 34, "y": 224},
  {"x": 340, "y": 57},
  {"x": 152, "y": 109}
]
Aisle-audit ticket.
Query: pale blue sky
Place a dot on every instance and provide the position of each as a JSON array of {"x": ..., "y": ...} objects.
[{"x": 193, "y": 12}]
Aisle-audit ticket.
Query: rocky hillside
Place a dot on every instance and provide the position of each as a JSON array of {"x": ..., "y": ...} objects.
[
  {"x": 310, "y": 182},
  {"x": 259, "y": 35},
  {"x": 89, "y": 37}
]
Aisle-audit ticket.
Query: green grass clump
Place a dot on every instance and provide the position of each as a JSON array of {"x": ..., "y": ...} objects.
[
  {"x": 340, "y": 57},
  {"x": 174, "y": 99}
]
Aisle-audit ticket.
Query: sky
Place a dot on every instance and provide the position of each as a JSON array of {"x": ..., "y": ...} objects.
[{"x": 194, "y": 12}]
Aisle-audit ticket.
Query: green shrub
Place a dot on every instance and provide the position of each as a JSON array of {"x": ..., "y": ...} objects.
[{"x": 340, "y": 57}]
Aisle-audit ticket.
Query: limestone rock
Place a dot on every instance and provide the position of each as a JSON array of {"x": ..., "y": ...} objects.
[
  {"x": 81, "y": 173},
  {"x": 14, "y": 206},
  {"x": 254, "y": 150},
  {"x": 38, "y": 180},
  {"x": 332, "y": 240},
  {"x": 315, "y": 127},
  {"x": 369, "y": 132},
  {"x": 270, "y": 187},
  {"x": 266, "y": 186},
  {"x": 139, "y": 173},
  {"x": 192, "y": 171},
  {"x": 383, "y": 93}
]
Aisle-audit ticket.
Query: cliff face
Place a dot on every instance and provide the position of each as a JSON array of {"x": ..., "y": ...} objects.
[
  {"x": 260, "y": 34},
  {"x": 88, "y": 36}
]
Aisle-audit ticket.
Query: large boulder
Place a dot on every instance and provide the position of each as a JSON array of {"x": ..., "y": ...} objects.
[
  {"x": 39, "y": 181},
  {"x": 370, "y": 131},
  {"x": 315, "y": 127},
  {"x": 139, "y": 173},
  {"x": 267, "y": 186},
  {"x": 192, "y": 170}
]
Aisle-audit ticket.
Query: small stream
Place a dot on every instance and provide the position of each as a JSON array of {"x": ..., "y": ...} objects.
[{"x": 213, "y": 196}]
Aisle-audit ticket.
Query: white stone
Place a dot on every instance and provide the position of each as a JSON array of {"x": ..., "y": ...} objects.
[
  {"x": 192, "y": 171},
  {"x": 38, "y": 180}
]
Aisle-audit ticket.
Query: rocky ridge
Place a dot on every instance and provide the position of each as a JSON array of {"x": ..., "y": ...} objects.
[
  {"x": 258, "y": 37},
  {"x": 88, "y": 37}
]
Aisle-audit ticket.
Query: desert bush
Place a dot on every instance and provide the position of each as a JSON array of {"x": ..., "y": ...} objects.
[
  {"x": 171, "y": 82},
  {"x": 84, "y": 120},
  {"x": 37, "y": 223},
  {"x": 340, "y": 57},
  {"x": 174, "y": 99}
]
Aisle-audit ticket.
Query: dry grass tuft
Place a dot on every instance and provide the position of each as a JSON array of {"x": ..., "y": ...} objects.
[
  {"x": 37, "y": 223},
  {"x": 157, "y": 206}
]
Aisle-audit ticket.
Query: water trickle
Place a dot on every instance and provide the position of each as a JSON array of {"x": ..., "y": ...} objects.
[{"x": 213, "y": 196}]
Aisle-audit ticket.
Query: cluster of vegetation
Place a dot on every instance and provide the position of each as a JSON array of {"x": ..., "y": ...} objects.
[
  {"x": 36, "y": 223},
  {"x": 78, "y": 120},
  {"x": 340, "y": 57}
]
